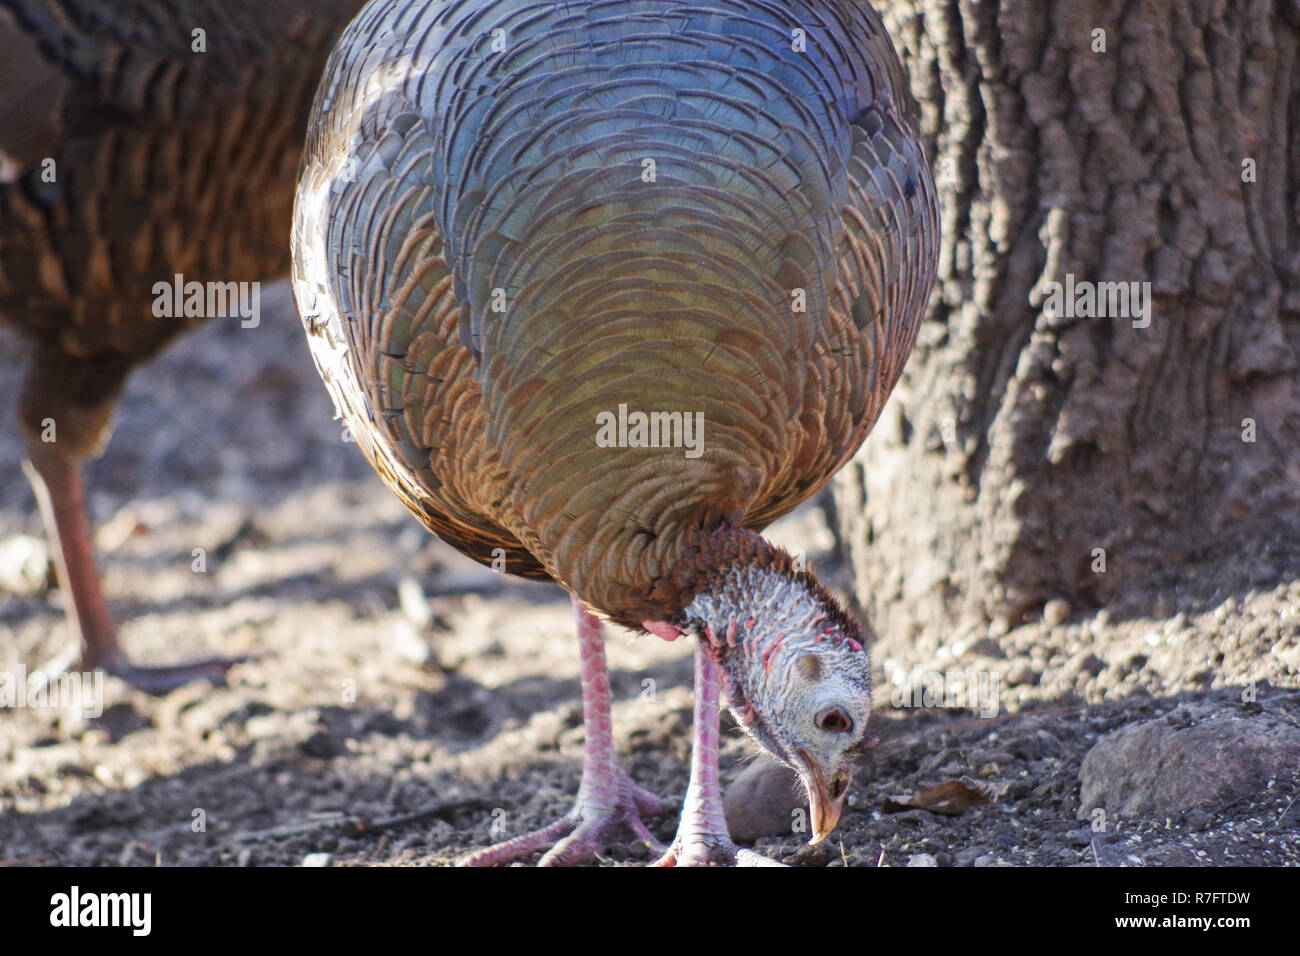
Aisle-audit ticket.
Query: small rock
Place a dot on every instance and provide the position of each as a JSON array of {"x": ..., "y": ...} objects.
[
  {"x": 1022, "y": 674},
  {"x": 318, "y": 859},
  {"x": 762, "y": 801},
  {"x": 1173, "y": 855},
  {"x": 987, "y": 647},
  {"x": 1085, "y": 662},
  {"x": 819, "y": 855},
  {"x": 1056, "y": 612},
  {"x": 922, "y": 859},
  {"x": 24, "y": 565},
  {"x": 406, "y": 641},
  {"x": 1080, "y": 837},
  {"x": 411, "y": 599},
  {"x": 323, "y": 745}
]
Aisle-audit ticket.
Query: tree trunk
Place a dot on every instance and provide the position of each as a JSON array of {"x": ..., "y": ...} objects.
[{"x": 1033, "y": 452}]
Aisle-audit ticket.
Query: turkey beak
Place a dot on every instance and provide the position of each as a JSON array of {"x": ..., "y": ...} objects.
[{"x": 825, "y": 798}]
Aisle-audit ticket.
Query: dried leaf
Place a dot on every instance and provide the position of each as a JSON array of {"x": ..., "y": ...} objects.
[{"x": 949, "y": 798}]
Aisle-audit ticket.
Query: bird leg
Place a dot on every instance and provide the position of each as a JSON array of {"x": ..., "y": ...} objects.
[
  {"x": 607, "y": 797},
  {"x": 702, "y": 837},
  {"x": 56, "y": 480}
]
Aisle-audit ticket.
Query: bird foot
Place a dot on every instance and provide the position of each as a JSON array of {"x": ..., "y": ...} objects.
[
  {"x": 581, "y": 834},
  {"x": 717, "y": 851},
  {"x": 155, "y": 680},
  {"x": 163, "y": 679}
]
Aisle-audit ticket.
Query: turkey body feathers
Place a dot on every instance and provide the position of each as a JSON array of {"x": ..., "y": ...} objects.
[
  {"x": 143, "y": 143},
  {"x": 517, "y": 217},
  {"x": 132, "y": 149}
]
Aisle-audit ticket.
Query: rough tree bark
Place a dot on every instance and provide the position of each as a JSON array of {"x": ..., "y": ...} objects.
[{"x": 1022, "y": 440}]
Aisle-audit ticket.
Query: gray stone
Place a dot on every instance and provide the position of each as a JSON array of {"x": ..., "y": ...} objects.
[
  {"x": 762, "y": 801},
  {"x": 1160, "y": 768},
  {"x": 987, "y": 647}
]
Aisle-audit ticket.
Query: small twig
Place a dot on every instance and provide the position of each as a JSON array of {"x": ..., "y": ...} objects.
[
  {"x": 289, "y": 829},
  {"x": 1283, "y": 814},
  {"x": 438, "y": 809},
  {"x": 362, "y": 824}
]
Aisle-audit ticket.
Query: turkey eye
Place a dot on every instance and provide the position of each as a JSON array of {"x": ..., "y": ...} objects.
[{"x": 834, "y": 721}]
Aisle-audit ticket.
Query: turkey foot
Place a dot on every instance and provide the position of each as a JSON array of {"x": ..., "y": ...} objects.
[
  {"x": 584, "y": 832},
  {"x": 700, "y": 853},
  {"x": 157, "y": 680},
  {"x": 56, "y": 480},
  {"x": 161, "y": 679},
  {"x": 607, "y": 797},
  {"x": 702, "y": 838}
]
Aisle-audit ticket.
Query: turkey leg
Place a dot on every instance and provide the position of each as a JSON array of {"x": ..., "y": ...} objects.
[
  {"x": 607, "y": 797},
  {"x": 702, "y": 838},
  {"x": 56, "y": 480}
]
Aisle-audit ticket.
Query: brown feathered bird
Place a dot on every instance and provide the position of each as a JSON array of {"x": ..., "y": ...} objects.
[
  {"x": 142, "y": 143},
  {"x": 604, "y": 287}
]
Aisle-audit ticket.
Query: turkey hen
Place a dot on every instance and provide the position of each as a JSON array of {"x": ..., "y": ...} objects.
[
  {"x": 601, "y": 288},
  {"x": 140, "y": 140}
]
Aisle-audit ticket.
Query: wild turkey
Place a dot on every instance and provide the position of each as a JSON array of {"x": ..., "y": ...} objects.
[
  {"x": 140, "y": 140},
  {"x": 521, "y": 226}
]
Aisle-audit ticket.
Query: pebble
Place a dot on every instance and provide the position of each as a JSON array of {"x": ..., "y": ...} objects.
[
  {"x": 24, "y": 564},
  {"x": 987, "y": 647},
  {"x": 1022, "y": 674},
  {"x": 1056, "y": 612}
]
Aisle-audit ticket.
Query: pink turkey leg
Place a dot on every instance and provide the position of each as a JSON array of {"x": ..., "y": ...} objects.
[
  {"x": 702, "y": 837},
  {"x": 607, "y": 797}
]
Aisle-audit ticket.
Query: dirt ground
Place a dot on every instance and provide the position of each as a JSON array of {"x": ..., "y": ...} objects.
[{"x": 404, "y": 702}]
